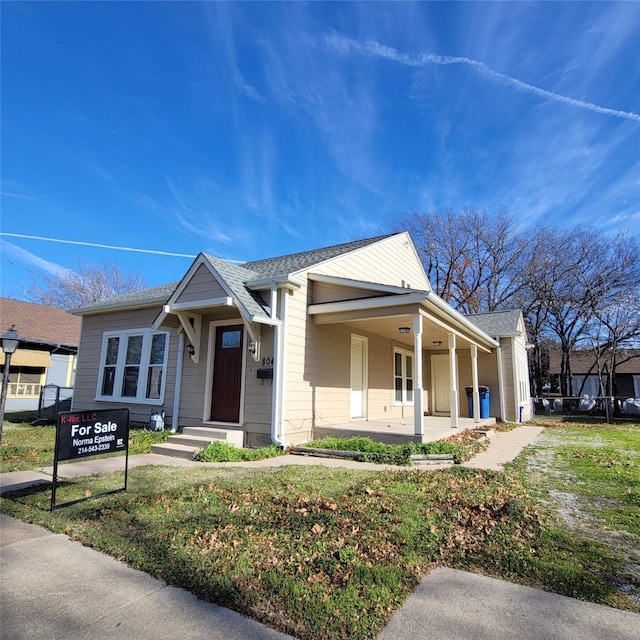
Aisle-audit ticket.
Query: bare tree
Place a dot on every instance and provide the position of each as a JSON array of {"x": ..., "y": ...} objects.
[
  {"x": 473, "y": 260},
  {"x": 90, "y": 284}
]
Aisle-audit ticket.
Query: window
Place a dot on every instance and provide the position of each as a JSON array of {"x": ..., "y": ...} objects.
[
  {"x": 133, "y": 366},
  {"x": 25, "y": 382},
  {"x": 403, "y": 377},
  {"x": 591, "y": 386},
  {"x": 636, "y": 386}
]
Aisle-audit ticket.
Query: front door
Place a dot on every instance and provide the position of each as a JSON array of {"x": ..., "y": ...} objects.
[
  {"x": 441, "y": 383},
  {"x": 227, "y": 374}
]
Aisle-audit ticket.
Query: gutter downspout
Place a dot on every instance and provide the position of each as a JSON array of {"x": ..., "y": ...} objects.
[
  {"x": 278, "y": 351},
  {"x": 178, "y": 384}
]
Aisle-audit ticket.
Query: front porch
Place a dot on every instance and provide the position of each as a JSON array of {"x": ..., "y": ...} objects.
[{"x": 401, "y": 430}]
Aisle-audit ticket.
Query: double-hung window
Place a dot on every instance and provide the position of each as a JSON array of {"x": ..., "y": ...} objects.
[
  {"x": 133, "y": 366},
  {"x": 403, "y": 377}
]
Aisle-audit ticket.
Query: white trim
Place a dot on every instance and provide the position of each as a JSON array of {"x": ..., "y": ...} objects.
[
  {"x": 367, "y": 303},
  {"x": 143, "y": 371},
  {"x": 474, "y": 377},
  {"x": 200, "y": 304},
  {"x": 404, "y": 352},
  {"x": 364, "y": 341},
  {"x": 503, "y": 410},
  {"x": 211, "y": 349},
  {"x": 453, "y": 380},
  {"x": 178, "y": 384},
  {"x": 418, "y": 395}
]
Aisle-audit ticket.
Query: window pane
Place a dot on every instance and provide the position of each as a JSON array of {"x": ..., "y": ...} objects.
[
  {"x": 130, "y": 382},
  {"x": 398, "y": 363},
  {"x": 230, "y": 339},
  {"x": 134, "y": 349},
  {"x": 409, "y": 372},
  {"x": 409, "y": 390},
  {"x": 107, "y": 381},
  {"x": 398, "y": 389},
  {"x": 154, "y": 382},
  {"x": 112, "y": 350},
  {"x": 157, "y": 348}
]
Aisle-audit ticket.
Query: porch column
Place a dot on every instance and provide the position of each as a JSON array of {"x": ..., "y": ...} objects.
[
  {"x": 418, "y": 411},
  {"x": 474, "y": 377},
  {"x": 453, "y": 395}
]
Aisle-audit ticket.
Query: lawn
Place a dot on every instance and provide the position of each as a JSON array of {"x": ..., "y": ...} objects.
[
  {"x": 331, "y": 553},
  {"x": 27, "y": 446}
]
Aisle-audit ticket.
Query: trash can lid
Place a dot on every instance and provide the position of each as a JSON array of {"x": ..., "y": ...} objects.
[{"x": 483, "y": 388}]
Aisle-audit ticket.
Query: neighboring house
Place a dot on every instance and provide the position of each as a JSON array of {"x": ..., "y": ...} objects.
[
  {"x": 46, "y": 355},
  {"x": 271, "y": 349},
  {"x": 584, "y": 369}
]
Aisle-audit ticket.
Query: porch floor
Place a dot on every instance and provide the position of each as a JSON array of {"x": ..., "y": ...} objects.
[{"x": 401, "y": 430}]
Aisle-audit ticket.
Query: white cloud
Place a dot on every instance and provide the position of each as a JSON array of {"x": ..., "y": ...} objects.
[{"x": 10, "y": 250}]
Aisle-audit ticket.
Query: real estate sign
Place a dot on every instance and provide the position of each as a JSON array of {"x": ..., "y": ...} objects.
[{"x": 90, "y": 433}]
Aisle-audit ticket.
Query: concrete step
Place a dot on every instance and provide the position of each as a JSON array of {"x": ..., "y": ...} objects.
[
  {"x": 212, "y": 433},
  {"x": 191, "y": 441},
  {"x": 174, "y": 450}
]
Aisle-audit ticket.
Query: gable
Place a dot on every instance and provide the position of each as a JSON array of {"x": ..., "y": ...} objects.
[
  {"x": 392, "y": 260},
  {"x": 202, "y": 286}
]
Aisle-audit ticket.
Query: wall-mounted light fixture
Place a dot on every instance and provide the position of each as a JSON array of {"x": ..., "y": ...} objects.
[
  {"x": 404, "y": 329},
  {"x": 437, "y": 343},
  {"x": 191, "y": 350}
]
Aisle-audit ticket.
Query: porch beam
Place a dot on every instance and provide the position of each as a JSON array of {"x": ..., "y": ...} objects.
[
  {"x": 453, "y": 385},
  {"x": 418, "y": 411},
  {"x": 474, "y": 377}
]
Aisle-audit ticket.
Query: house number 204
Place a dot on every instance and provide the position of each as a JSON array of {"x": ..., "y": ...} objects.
[{"x": 268, "y": 360}]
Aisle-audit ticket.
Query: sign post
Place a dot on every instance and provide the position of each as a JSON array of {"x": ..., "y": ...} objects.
[{"x": 80, "y": 434}]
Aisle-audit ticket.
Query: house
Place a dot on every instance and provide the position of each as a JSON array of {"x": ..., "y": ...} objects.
[
  {"x": 275, "y": 349},
  {"x": 584, "y": 372},
  {"x": 49, "y": 338}
]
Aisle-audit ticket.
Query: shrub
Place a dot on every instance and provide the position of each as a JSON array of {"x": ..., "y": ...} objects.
[{"x": 224, "y": 452}]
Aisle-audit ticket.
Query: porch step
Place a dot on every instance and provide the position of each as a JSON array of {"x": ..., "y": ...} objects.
[
  {"x": 192, "y": 439},
  {"x": 174, "y": 450}
]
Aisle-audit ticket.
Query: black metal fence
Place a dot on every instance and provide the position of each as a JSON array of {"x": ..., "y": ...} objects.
[{"x": 54, "y": 399}]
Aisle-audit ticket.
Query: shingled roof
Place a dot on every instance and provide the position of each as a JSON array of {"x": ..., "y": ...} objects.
[
  {"x": 39, "y": 323},
  {"x": 236, "y": 277},
  {"x": 497, "y": 323}
]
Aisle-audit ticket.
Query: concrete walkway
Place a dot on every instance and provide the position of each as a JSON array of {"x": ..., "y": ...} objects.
[{"x": 54, "y": 588}]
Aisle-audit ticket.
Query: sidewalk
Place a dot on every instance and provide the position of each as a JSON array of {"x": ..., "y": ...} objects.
[{"x": 55, "y": 588}]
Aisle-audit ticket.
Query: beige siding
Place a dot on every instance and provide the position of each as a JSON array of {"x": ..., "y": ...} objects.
[
  {"x": 317, "y": 390},
  {"x": 88, "y": 367},
  {"x": 323, "y": 292},
  {"x": 202, "y": 286},
  {"x": 390, "y": 261},
  {"x": 508, "y": 379}
]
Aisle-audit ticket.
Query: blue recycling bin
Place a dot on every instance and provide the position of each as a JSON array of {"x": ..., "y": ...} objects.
[{"x": 485, "y": 400}]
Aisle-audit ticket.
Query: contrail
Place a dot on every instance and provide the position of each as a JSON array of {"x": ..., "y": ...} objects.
[
  {"x": 372, "y": 48},
  {"x": 101, "y": 246}
]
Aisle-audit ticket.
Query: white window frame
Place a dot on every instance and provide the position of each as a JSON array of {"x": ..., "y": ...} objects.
[
  {"x": 144, "y": 366},
  {"x": 404, "y": 354}
]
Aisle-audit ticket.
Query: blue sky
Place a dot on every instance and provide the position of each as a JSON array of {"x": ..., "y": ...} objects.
[{"x": 248, "y": 130}]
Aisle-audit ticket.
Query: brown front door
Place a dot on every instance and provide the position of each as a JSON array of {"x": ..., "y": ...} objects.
[{"x": 227, "y": 374}]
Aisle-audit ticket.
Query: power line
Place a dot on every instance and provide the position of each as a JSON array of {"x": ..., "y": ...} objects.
[{"x": 98, "y": 245}]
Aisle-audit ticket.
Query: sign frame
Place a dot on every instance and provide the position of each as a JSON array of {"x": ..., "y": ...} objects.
[{"x": 82, "y": 434}]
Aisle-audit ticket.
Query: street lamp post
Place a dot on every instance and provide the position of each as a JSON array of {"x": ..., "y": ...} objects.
[{"x": 10, "y": 341}]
